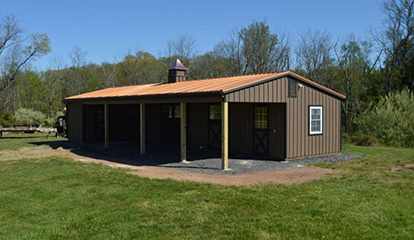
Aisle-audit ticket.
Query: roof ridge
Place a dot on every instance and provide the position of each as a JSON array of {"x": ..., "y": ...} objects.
[{"x": 232, "y": 76}]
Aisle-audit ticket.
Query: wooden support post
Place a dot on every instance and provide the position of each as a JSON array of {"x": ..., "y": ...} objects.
[
  {"x": 142, "y": 149},
  {"x": 106, "y": 124},
  {"x": 183, "y": 132},
  {"x": 225, "y": 135}
]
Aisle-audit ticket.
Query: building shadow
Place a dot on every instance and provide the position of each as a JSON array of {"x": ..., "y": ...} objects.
[{"x": 121, "y": 153}]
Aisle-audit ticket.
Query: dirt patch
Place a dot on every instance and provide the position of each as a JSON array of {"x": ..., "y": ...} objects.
[
  {"x": 285, "y": 176},
  {"x": 31, "y": 152},
  {"x": 276, "y": 176},
  {"x": 405, "y": 167}
]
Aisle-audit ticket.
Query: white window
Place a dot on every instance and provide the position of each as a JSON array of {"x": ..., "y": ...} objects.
[{"x": 315, "y": 120}]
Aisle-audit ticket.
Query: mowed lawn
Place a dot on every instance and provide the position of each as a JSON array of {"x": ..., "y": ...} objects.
[{"x": 55, "y": 198}]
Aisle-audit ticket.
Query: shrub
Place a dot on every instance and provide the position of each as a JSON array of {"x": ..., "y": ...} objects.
[
  {"x": 6, "y": 120},
  {"x": 391, "y": 120},
  {"x": 50, "y": 121},
  {"x": 361, "y": 139},
  {"x": 29, "y": 117}
]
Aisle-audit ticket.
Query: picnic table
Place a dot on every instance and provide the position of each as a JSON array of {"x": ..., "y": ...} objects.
[{"x": 27, "y": 129}]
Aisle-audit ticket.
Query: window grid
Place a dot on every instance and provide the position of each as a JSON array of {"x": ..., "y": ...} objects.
[
  {"x": 315, "y": 120},
  {"x": 261, "y": 118}
]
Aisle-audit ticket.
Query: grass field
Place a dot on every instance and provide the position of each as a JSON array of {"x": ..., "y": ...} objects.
[
  {"x": 16, "y": 141},
  {"x": 55, "y": 198}
]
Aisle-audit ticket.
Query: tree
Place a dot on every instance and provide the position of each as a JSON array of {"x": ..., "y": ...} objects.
[
  {"x": 183, "y": 48},
  {"x": 397, "y": 42},
  {"x": 353, "y": 70},
  {"x": 255, "y": 49},
  {"x": 141, "y": 68},
  {"x": 16, "y": 52},
  {"x": 31, "y": 91},
  {"x": 314, "y": 56},
  {"x": 210, "y": 65}
]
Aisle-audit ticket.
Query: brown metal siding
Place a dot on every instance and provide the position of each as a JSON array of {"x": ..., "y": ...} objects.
[
  {"x": 300, "y": 143},
  {"x": 74, "y": 121},
  {"x": 270, "y": 92}
]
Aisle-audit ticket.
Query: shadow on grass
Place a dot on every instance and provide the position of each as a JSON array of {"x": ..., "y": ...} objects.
[{"x": 123, "y": 153}]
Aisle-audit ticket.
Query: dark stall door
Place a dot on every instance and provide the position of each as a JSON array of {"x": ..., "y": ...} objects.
[
  {"x": 170, "y": 128},
  {"x": 261, "y": 135}
]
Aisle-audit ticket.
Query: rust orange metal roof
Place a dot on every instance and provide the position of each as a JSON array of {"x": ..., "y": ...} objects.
[{"x": 213, "y": 85}]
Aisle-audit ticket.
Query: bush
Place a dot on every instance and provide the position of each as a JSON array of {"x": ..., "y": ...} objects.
[
  {"x": 391, "y": 120},
  {"x": 29, "y": 117},
  {"x": 50, "y": 121},
  {"x": 6, "y": 120},
  {"x": 363, "y": 140}
]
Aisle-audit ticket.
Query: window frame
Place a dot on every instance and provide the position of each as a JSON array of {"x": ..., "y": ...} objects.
[
  {"x": 258, "y": 120},
  {"x": 316, "y": 107},
  {"x": 174, "y": 111},
  {"x": 218, "y": 113}
]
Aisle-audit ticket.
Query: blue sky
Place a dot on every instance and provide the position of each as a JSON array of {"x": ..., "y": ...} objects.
[{"x": 107, "y": 30}]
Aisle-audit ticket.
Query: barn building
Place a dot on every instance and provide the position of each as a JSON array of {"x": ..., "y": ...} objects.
[{"x": 275, "y": 116}]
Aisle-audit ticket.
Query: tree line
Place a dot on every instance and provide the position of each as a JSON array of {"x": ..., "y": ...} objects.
[{"x": 366, "y": 70}]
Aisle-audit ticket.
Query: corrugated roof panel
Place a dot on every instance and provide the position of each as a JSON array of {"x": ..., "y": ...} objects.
[{"x": 217, "y": 85}]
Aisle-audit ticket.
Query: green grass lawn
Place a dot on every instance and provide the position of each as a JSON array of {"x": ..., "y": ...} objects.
[
  {"x": 56, "y": 198},
  {"x": 16, "y": 141}
]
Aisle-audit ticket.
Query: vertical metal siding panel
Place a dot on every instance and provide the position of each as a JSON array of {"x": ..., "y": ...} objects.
[
  {"x": 279, "y": 91},
  {"x": 292, "y": 129},
  {"x": 289, "y": 130},
  {"x": 253, "y": 94},
  {"x": 247, "y": 96},
  {"x": 254, "y": 91},
  {"x": 298, "y": 124},
  {"x": 318, "y": 139},
  {"x": 326, "y": 122},
  {"x": 333, "y": 109},
  {"x": 305, "y": 115},
  {"x": 294, "y": 119},
  {"x": 262, "y": 92},
  {"x": 301, "y": 128},
  {"x": 310, "y": 143},
  {"x": 322, "y": 143},
  {"x": 338, "y": 120},
  {"x": 298, "y": 139},
  {"x": 313, "y": 138},
  {"x": 334, "y": 128},
  {"x": 271, "y": 91}
]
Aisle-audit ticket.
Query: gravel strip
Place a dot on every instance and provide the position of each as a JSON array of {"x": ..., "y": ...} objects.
[{"x": 238, "y": 166}]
